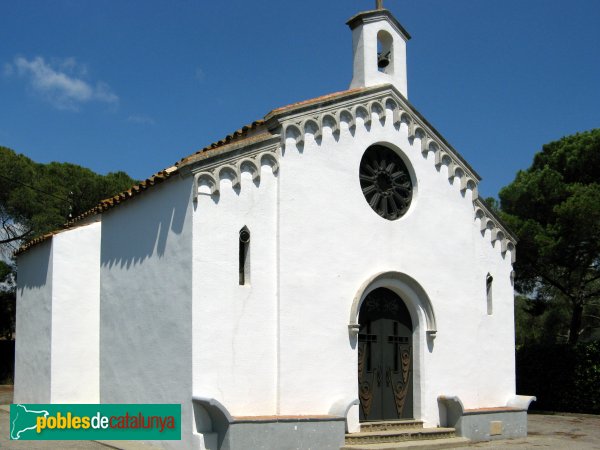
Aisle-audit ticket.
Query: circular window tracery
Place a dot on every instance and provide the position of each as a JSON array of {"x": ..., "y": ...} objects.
[{"x": 385, "y": 182}]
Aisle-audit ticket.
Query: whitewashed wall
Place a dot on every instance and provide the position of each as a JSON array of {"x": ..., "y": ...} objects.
[
  {"x": 145, "y": 302},
  {"x": 174, "y": 322},
  {"x": 235, "y": 327},
  {"x": 331, "y": 242},
  {"x": 34, "y": 325},
  {"x": 76, "y": 315}
]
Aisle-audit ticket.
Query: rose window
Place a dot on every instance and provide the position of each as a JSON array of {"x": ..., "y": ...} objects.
[{"x": 385, "y": 182}]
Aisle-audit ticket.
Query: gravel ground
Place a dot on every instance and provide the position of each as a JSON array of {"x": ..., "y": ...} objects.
[
  {"x": 555, "y": 431},
  {"x": 546, "y": 431}
]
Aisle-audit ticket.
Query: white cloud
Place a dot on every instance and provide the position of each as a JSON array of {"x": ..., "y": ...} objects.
[
  {"x": 141, "y": 119},
  {"x": 70, "y": 65},
  {"x": 61, "y": 82},
  {"x": 103, "y": 93}
]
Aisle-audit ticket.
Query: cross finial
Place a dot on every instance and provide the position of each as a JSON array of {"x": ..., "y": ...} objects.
[{"x": 379, "y": 4}]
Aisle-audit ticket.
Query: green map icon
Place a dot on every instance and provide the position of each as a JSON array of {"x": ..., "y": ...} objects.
[{"x": 23, "y": 419}]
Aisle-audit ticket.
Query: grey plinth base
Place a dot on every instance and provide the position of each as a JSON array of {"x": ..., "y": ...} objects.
[
  {"x": 285, "y": 433},
  {"x": 487, "y": 424},
  {"x": 217, "y": 429}
]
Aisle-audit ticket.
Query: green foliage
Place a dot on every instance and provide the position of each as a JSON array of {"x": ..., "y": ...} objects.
[
  {"x": 36, "y": 199},
  {"x": 554, "y": 208},
  {"x": 7, "y": 301},
  {"x": 562, "y": 377},
  {"x": 7, "y": 356},
  {"x": 540, "y": 321}
]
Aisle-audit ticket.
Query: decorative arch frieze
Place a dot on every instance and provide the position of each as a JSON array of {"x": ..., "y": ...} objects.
[
  {"x": 249, "y": 165},
  {"x": 412, "y": 129},
  {"x": 269, "y": 159},
  {"x": 487, "y": 221},
  {"x": 231, "y": 173},
  {"x": 469, "y": 183},
  {"x": 208, "y": 177},
  {"x": 375, "y": 107},
  {"x": 348, "y": 118},
  {"x": 312, "y": 126},
  {"x": 510, "y": 247},
  {"x": 387, "y": 106},
  {"x": 293, "y": 131},
  {"x": 428, "y": 145},
  {"x": 443, "y": 159},
  {"x": 455, "y": 171},
  {"x": 361, "y": 111},
  {"x": 329, "y": 120}
]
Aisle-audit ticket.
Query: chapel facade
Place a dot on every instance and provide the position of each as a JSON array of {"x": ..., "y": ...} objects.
[{"x": 325, "y": 268}]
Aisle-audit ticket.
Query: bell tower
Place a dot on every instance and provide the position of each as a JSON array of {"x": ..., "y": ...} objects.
[{"x": 379, "y": 49}]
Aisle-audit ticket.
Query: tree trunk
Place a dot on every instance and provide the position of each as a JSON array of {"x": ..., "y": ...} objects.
[{"x": 575, "y": 328}]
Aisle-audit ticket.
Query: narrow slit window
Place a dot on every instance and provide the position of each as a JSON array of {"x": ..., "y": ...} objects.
[
  {"x": 244, "y": 254},
  {"x": 488, "y": 291}
]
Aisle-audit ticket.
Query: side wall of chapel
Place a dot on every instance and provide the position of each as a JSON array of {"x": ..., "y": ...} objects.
[
  {"x": 235, "y": 322},
  {"x": 146, "y": 301},
  {"x": 57, "y": 348}
]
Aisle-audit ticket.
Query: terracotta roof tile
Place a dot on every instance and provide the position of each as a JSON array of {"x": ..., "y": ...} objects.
[
  {"x": 35, "y": 241},
  {"x": 321, "y": 99},
  {"x": 104, "y": 205},
  {"x": 238, "y": 135},
  {"x": 157, "y": 178},
  {"x": 254, "y": 132}
]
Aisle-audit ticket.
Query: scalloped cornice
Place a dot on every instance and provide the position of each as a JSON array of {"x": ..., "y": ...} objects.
[
  {"x": 249, "y": 149},
  {"x": 231, "y": 160},
  {"x": 498, "y": 232},
  {"x": 387, "y": 103}
]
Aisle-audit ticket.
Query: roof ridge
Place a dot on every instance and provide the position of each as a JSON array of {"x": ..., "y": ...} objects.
[
  {"x": 157, "y": 178},
  {"x": 241, "y": 134}
]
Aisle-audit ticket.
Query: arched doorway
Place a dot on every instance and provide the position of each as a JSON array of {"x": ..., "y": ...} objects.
[{"x": 385, "y": 357}]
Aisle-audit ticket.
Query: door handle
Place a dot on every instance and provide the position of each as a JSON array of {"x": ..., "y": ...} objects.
[{"x": 388, "y": 377}]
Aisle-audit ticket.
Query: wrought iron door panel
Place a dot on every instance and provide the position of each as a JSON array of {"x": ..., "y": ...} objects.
[{"x": 385, "y": 358}]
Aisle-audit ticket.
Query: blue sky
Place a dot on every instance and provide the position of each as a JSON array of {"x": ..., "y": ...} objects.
[{"x": 136, "y": 85}]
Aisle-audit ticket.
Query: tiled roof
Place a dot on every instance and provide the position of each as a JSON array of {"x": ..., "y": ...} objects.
[
  {"x": 237, "y": 136},
  {"x": 255, "y": 128},
  {"x": 35, "y": 241},
  {"x": 113, "y": 201},
  {"x": 312, "y": 101},
  {"x": 254, "y": 132}
]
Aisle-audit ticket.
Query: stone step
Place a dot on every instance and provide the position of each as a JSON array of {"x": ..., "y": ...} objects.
[
  {"x": 390, "y": 425},
  {"x": 394, "y": 436},
  {"x": 425, "y": 444}
]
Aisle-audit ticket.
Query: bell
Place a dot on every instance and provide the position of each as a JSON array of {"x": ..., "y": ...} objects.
[
  {"x": 244, "y": 236},
  {"x": 383, "y": 60}
]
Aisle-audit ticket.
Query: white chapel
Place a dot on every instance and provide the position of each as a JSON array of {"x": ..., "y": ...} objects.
[{"x": 326, "y": 277}]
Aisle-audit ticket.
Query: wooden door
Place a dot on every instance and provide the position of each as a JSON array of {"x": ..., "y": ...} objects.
[{"x": 385, "y": 357}]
